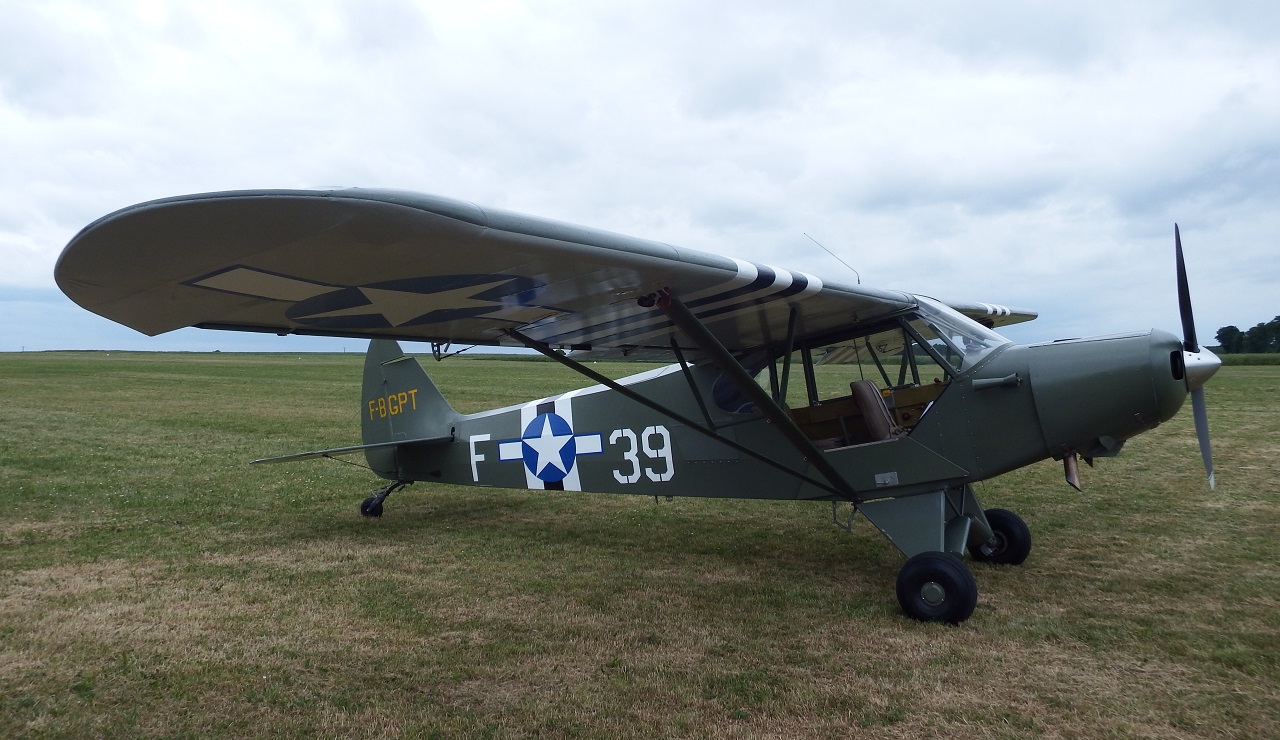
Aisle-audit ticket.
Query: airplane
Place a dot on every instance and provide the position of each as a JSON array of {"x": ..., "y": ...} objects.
[{"x": 779, "y": 384}]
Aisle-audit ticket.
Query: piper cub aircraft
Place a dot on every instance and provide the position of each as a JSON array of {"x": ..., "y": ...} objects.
[{"x": 781, "y": 385}]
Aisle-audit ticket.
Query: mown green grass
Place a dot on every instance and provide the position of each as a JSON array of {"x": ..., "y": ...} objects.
[
  {"x": 152, "y": 583},
  {"x": 1251, "y": 359}
]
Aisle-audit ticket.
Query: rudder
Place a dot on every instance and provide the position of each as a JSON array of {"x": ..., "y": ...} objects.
[{"x": 400, "y": 401}]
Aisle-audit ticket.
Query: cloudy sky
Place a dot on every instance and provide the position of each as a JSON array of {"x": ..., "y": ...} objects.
[{"x": 1031, "y": 154}]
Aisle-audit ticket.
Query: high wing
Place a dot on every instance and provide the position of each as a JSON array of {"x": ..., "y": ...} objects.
[{"x": 382, "y": 263}]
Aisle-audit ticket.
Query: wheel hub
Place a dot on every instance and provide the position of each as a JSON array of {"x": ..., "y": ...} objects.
[{"x": 933, "y": 593}]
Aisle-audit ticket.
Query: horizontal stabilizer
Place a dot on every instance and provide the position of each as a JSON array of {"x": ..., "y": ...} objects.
[
  {"x": 993, "y": 315},
  {"x": 428, "y": 441}
]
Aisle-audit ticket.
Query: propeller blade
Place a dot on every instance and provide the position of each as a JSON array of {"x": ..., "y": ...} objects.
[
  {"x": 1184, "y": 298},
  {"x": 1202, "y": 431},
  {"x": 1199, "y": 365}
]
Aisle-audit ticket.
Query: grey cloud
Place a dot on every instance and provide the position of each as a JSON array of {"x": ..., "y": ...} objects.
[
  {"x": 995, "y": 151},
  {"x": 381, "y": 27},
  {"x": 51, "y": 64}
]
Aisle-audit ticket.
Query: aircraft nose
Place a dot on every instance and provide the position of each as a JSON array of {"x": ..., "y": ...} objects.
[
  {"x": 1168, "y": 374},
  {"x": 1200, "y": 366}
]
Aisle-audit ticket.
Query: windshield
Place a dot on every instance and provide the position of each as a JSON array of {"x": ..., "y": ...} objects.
[{"x": 960, "y": 340}]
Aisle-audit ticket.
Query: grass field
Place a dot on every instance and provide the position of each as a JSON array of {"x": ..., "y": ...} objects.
[
  {"x": 152, "y": 583},
  {"x": 1247, "y": 359}
]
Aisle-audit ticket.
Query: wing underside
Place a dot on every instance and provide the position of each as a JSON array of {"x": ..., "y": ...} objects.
[{"x": 376, "y": 263}]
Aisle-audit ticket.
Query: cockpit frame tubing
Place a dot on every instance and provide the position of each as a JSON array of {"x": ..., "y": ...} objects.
[
  {"x": 928, "y": 348},
  {"x": 693, "y": 328},
  {"x": 792, "y": 324}
]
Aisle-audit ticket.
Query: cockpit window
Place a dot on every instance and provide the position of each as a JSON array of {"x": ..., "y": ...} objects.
[
  {"x": 958, "y": 339},
  {"x": 728, "y": 397},
  {"x": 910, "y": 358}
]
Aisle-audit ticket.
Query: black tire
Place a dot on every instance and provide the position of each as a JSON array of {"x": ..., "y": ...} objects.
[
  {"x": 371, "y": 507},
  {"x": 1012, "y": 542},
  {"x": 937, "y": 587}
]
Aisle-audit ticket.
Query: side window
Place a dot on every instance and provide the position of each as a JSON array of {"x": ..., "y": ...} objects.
[
  {"x": 892, "y": 357},
  {"x": 926, "y": 369},
  {"x": 727, "y": 397},
  {"x": 870, "y": 357},
  {"x": 831, "y": 370}
]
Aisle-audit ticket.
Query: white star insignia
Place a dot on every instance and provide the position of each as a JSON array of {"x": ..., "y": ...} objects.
[
  {"x": 399, "y": 307},
  {"x": 548, "y": 447}
]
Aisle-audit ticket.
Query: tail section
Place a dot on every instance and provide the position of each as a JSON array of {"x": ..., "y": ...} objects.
[
  {"x": 400, "y": 403},
  {"x": 402, "y": 408}
]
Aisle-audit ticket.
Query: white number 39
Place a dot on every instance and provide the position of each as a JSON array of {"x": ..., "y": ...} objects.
[{"x": 633, "y": 446}]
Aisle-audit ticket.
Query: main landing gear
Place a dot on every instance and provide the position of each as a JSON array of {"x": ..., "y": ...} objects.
[
  {"x": 1010, "y": 543},
  {"x": 372, "y": 506},
  {"x": 934, "y": 530}
]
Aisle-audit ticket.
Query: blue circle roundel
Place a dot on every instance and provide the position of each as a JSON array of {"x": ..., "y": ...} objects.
[{"x": 549, "y": 447}]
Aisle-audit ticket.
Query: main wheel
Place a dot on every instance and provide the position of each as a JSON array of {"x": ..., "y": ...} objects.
[
  {"x": 1012, "y": 543},
  {"x": 937, "y": 587},
  {"x": 371, "y": 507}
]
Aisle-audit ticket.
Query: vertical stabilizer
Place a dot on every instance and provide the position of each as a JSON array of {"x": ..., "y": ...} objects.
[{"x": 399, "y": 401}]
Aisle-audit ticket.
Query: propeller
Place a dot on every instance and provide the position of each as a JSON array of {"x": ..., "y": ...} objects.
[{"x": 1200, "y": 363}]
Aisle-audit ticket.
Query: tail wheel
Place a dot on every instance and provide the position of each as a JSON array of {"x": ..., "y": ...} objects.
[
  {"x": 1011, "y": 541},
  {"x": 937, "y": 587},
  {"x": 372, "y": 506}
]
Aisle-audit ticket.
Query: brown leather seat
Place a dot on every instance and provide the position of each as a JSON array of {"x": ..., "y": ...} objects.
[{"x": 880, "y": 422}]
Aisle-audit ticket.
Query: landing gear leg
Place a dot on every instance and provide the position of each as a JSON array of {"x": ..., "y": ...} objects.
[
  {"x": 1010, "y": 541},
  {"x": 932, "y": 529},
  {"x": 372, "y": 506}
]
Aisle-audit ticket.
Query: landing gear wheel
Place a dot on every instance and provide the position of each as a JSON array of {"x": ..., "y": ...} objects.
[
  {"x": 1012, "y": 541},
  {"x": 372, "y": 506},
  {"x": 937, "y": 587}
]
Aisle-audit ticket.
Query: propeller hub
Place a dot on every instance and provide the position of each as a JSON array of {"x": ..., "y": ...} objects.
[{"x": 1201, "y": 366}]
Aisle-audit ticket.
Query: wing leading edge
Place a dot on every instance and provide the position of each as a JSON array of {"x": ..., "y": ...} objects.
[{"x": 380, "y": 263}]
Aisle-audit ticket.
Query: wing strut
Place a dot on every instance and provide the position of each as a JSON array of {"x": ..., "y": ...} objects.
[
  {"x": 693, "y": 328},
  {"x": 693, "y": 387},
  {"x": 585, "y": 371}
]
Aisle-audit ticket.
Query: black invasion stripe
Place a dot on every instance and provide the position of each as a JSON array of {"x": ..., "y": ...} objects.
[
  {"x": 764, "y": 278},
  {"x": 798, "y": 284}
]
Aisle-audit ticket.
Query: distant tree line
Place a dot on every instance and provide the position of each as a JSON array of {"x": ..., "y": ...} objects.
[{"x": 1261, "y": 339}]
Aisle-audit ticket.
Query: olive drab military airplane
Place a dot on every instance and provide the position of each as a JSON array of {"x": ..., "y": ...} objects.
[{"x": 780, "y": 385}]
